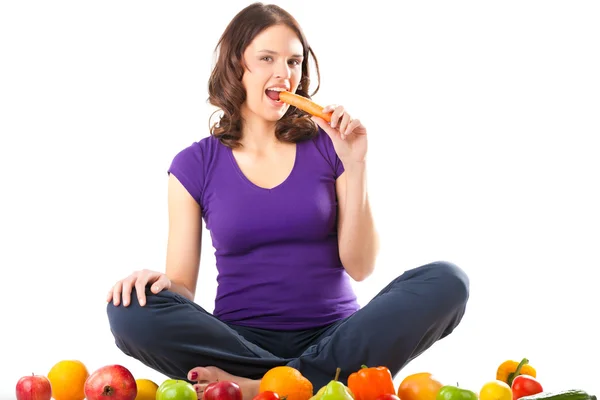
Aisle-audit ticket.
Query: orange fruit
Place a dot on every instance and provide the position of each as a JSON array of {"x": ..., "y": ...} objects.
[
  {"x": 146, "y": 389},
  {"x": 287, "y": 382},
  {"x": 420, "y": 386},
  {"x": 67, "y": 378}
]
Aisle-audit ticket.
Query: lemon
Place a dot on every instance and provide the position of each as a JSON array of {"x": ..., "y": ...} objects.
[
  {"x": 146, "y": 389},
  {"x": 495, "y": 390}
]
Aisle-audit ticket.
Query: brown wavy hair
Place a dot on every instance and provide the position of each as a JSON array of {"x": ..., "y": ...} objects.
[{"x": 225, "y": 88}]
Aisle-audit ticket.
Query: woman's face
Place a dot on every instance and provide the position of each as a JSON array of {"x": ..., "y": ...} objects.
[{"x": 274, "y": 60}]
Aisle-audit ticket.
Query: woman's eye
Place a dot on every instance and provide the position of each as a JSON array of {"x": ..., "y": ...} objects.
[{"x": 270, "y": 59}]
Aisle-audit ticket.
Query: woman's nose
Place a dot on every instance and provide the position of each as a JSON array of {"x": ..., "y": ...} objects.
[{"x": 282, "y": 70}]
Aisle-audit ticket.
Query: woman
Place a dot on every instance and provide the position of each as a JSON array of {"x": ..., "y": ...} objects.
[{"x": 284, "y": 196}]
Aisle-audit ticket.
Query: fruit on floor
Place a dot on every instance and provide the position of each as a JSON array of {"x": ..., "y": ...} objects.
[
  {"x": 166, "y": 382},
  {"x": 388, "y": 396},
  {"x": 319, "y": 393},
  {"x": 146, "y": 389},
  {"x": 33, "y": 387},
  {"x": 495, "y": 390},
  {"x": 268, "y": 395},
  {"x": 174, "y": 389},
  {"x": 286, "y": 382},
  {"x": 113, "y": 382},
  {"x": 368, "y": 383},
  {"x": 419, "y": 386},
  {"x": 67, "y": 378},
  {"x": 525, "y": 385},
  {"x": 336, "y": 390},
  {"x": 222, "y": 390},
  {"x": 449, "y": 392},
  {"x": 510, "y": 369}
]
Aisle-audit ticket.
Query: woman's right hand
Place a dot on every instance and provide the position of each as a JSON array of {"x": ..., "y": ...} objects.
[{"x": 139, "y": 280}]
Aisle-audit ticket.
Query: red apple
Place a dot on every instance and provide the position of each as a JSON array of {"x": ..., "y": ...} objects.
[
  {"x": 34, "y": 387},
  {"x": 222, "y": 390},
  {"x": 111, "y": 381}
]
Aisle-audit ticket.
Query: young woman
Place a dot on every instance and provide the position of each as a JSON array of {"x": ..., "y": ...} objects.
[{"x": 284, "y": 197}]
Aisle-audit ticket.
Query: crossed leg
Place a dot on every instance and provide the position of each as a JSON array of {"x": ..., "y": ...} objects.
[{"x": 181, "y": 340}]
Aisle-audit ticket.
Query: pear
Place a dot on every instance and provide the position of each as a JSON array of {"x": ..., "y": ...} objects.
[
  {"x": 335, "y": 390},
  {"x": 319, "y": 393}
]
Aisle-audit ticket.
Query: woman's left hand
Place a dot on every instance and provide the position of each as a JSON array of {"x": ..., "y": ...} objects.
[{"x": 348, "y": 135}]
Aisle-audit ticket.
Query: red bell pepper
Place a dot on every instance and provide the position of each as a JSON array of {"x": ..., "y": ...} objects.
[{"x": 525, "y": 385}]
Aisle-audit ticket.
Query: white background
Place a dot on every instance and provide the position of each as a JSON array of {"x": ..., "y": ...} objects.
[{"x": 483, "y": 119}]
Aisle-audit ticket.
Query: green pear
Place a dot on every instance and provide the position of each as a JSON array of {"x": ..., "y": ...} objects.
[
  {"x": 319, "y": 394},
  {"x": 335, "y": 390}
]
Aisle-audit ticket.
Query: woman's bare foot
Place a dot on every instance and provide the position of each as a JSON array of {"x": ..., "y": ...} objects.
[{"x": 206, "y": 375}]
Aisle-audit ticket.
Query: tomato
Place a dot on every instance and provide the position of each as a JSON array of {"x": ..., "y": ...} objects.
[
  {"x": 266, "y": 395},
  {"x": 525, "y": 385}
]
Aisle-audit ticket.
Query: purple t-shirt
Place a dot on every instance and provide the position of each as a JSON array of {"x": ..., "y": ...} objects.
[{"x": 276, "y": 249}]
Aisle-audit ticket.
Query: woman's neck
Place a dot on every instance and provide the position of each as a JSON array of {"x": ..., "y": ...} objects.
[{"x": 258, "y": 133}]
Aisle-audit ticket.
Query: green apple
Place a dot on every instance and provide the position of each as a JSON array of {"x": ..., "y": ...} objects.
[
  {"x": 166, "y": 383},
  {"x": 449, "y": 392},
  {"x": 174, "y": 389}
]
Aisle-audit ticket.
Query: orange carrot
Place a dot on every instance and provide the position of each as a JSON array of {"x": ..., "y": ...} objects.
[{"x": 304, "y": 104}]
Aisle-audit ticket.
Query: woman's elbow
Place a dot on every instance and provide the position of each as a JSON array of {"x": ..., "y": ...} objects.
[{"x": 359, "y": 269}]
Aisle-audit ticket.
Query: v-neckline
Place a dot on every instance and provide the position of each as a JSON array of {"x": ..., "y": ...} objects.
[{"x": 254, "y": 185}]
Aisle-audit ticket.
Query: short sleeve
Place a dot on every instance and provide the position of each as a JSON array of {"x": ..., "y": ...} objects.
[
  {"x": 188, "y": 167},
  {"x": 325, "y": 146}
]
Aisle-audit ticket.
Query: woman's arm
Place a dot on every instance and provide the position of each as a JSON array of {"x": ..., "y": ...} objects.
[
  {"x": 357, "y": 236},
  {"x": 184, "y": 241}
]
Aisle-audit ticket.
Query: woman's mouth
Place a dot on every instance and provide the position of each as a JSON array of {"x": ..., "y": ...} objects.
[{"x": 273, "y": 93}]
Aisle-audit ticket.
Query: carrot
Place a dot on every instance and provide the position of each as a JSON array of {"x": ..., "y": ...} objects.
[{"x": 304, "y": 104}]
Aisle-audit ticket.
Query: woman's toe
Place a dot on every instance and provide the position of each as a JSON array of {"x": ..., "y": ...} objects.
[
  {"x": 199, "y": 387},
  {"x": 200, "y": 374}
]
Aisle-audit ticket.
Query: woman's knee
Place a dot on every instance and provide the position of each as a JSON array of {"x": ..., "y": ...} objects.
[
  {"x": 132, "y": 322},
  {"x": 453, "y": 282}
]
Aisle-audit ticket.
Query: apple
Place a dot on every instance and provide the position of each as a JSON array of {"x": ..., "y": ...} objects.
[
  {"x": 448, "y": 392},
  {"x": 222, "y": 390},
  {"x": 114, "y": 381},
  {"x": 34, "y": 387},
  {"x": 167, "y": 382},
  {"x": 174, "y": 389}
]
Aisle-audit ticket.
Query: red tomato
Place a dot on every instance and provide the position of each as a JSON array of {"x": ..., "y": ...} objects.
[
  {"x": 266, "y": 395},
  {"x": 525, "y": 385}
]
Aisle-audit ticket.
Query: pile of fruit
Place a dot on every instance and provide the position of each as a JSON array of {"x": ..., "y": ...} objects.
[
  {"x": 70, "y": 380},
  {"x": 514, "y": 381}
]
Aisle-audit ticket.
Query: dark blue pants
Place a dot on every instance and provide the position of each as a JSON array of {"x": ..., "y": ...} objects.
[{"x": 171, "y": 334}]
